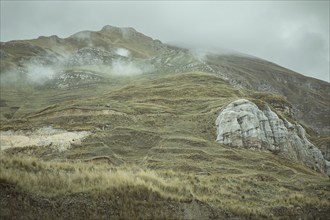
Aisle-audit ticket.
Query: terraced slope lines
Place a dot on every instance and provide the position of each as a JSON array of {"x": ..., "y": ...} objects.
[{"x": 113, "y": 124}]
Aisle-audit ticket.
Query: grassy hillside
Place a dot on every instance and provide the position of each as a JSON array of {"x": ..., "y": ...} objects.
[
  {"x": 87, "y": 132},
  {"x": 151, "y": 154}
]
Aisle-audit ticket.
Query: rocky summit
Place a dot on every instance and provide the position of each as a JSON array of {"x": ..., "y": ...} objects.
[{"x": 113, "y": 124}]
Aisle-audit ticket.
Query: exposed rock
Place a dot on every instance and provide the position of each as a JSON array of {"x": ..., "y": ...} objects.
[
  {"x": 91, "y": 56},
  {"x": 58, "y": 139},
  {"x": 309, "y": 97},
  {"x": 70, "y": 78},
  {"x": 243, "y": 124},
  {"x": 323, "y": 143}
]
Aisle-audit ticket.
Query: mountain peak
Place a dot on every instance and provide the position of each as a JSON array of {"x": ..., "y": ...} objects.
[
  {"x": 114, "y": 28},
  {"x": 126, "y": 32}
]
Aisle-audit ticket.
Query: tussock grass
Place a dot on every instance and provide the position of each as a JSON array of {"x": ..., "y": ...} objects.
[
  {"x": 248, "y": 192},
  {"x": 60, "y": 178},
  {"x": 159, "y": 141}
]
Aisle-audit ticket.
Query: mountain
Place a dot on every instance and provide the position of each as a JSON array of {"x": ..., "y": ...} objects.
[
  {"x": 309, "y": 97},
  {"x": 126, "y": 126}
]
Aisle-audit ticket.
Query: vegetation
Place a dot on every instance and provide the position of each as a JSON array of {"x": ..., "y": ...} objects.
[
  {"x": 151, "y": 153},
  {"x": 238, "y": 181}
]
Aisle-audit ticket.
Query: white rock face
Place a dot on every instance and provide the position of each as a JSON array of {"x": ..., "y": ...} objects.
[
  {"x": 243, "y": 124},
  {"x": 58, "y": 139}
]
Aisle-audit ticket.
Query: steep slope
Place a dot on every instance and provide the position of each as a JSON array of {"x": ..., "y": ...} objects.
[
  {"x": 309, "y": 97},
  {"x": 136, "y": 120}
]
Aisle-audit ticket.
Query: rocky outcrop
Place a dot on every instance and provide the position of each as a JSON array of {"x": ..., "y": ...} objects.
[
  {"x": 91, "y": 56},
  {"x": 309, "y": 97},
  {"x": 243, "y": 124}
]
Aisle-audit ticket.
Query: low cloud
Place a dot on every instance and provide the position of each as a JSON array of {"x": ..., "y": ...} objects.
[
  {"x": 82, "y": 36},
  {"x": 32, "y": 73},
  {"x": 37, "y": 73},
  {"x": 129, "y": 68}
]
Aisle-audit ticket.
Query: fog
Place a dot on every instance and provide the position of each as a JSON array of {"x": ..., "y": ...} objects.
[
  {"x": 82, "y": 36},
  {"x": 294, "y": 34},
  {"x": 35, "y": 73},
  {"x": 124, "y": 68},
  {"x": 32, "y": 73}
]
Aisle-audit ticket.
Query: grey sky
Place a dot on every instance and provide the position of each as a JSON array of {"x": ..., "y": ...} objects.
[{"x": 294, "y": 34}]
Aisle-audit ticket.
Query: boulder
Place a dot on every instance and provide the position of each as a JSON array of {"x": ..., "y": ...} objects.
[{"x": 243, "y": 124}]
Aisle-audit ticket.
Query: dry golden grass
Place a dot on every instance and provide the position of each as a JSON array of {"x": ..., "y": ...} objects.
[
  {"x": 233, "y": 186},
  {"x": 160, "y": 143},
  {"x": 60, "y": 178}
]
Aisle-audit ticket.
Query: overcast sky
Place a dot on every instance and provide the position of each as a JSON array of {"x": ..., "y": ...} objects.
[{"x": 294, "y": 34}]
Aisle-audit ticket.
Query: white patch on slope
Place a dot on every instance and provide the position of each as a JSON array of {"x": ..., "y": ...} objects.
[
  {"x": 123, "y": 52},
  {"x": 57, "y": 139}
]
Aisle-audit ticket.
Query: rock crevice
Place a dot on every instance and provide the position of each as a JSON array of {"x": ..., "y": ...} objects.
[{"x": 243, "y": 124}]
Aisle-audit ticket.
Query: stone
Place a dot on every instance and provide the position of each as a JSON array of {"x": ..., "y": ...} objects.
[{"x": 243, "y": 124}]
